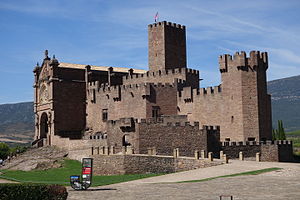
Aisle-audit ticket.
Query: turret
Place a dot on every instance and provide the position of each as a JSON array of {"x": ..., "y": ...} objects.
[
  {"x": 167, "y": 46},
  {"x": 244, "y": 87},
  {"x": 240, "y": 61}
]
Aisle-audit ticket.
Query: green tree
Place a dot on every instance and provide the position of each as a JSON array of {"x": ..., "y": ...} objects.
[
  {"x": 279, "y": 133},
  {"x": 4, "y": 151}
]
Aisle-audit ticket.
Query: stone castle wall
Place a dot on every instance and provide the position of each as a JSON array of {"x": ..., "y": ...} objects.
[
  {"x": 135, "y": 101},
  {"x": 190, "y": 76},
  {"x": 240, "y": 105},
  {"x": 142, "y": 164},
  {"x": 271, "y": 151},
  {"x": 168, "y": 136},
  {"x": 167, "y": 46}
]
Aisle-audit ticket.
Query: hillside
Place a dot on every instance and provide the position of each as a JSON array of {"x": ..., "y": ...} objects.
[
  {"x": 286, "y": 102},
  {"x": 17, "y": 120}
]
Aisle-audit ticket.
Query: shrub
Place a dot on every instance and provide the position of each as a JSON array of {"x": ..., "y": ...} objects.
[
  {"x": 4, "y": 151},
  {"x": 32, "y": 192}
]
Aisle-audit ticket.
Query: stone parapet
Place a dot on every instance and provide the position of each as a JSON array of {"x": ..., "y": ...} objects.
[{"x": 141, "y": 164}]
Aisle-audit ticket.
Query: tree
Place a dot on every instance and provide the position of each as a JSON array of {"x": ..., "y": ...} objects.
[
  {"x": 4, "y": 151},
  {"x": 279, "y": 133}
]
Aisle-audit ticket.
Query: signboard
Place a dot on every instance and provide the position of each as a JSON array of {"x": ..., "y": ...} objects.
[
  {"x": 87, "y": 164},
  {"x": 75, "y": 182},
  {"x": 86, "y": 176}
]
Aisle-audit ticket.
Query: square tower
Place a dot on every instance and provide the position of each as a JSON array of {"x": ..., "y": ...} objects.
[{"x": 167, "y": 46}]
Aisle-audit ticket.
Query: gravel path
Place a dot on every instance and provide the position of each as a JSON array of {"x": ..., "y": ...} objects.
[{"x": 277, "y": 185}]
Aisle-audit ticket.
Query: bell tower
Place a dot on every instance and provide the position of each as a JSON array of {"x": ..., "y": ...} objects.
[{"x": 167, "y": 46}]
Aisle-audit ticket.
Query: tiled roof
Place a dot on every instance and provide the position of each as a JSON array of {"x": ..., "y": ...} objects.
[{"x": 101, "y": 68}]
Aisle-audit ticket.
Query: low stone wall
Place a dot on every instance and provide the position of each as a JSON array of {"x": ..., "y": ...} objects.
[
  {"x": 141, "y": 164},
  {"x": 270, "y": 151},
  {"x": 76, "y": 144}
]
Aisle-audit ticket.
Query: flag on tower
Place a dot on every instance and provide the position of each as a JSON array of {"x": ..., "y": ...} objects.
[{"x": 156, "y": 17}]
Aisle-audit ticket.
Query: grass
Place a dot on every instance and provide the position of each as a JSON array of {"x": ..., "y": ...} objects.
[
  {"x": 256, "y": 172},
  {"x": 62, "y": 175},
  {"x": 295, "y": 137},
  {"x": 293, "y": 134}
]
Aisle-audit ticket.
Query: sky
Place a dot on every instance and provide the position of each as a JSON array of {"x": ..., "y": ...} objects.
[{"x": 114, "y": 33}]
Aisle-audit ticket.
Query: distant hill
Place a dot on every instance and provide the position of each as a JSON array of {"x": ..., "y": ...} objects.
[
  {"x": 286, "y": 102},
  {"x": 17, "y": 120}
]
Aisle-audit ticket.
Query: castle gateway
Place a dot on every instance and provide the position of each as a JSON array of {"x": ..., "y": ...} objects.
[{"x": 164, "y": 107}]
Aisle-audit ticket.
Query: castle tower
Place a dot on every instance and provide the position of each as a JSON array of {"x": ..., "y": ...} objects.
[
  {"x": 244, "y": 88},
  {"x": 167, "y": 46}
]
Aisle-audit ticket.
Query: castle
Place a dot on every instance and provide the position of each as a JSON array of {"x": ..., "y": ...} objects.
[{"x": 164, "y": 107}]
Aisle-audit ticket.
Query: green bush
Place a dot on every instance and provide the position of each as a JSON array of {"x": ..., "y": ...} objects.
[
  {"x": 4, "y": 151},
  {"x": 17, "y": 149},
  {"x": 32, "y": 192}
]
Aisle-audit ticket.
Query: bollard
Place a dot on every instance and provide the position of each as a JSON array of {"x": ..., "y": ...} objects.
[
  {"x": 196, "y": 154},
  {"x": 123, "y": 150},
  {"x": 225, "y": 158},
  {"x": 105, "y": 150},
  {"x": 202, "y": 154},
  {"x": 221, "y": 154},
  {"x": 129, "y": 150},
  {"x": 241, "y": 156},
  {"x": 177, "y": 152},
  {"x": 257, "y": 157},
  {"x": 210, "y": 156},
  {"x": 112, "y": 150},
  {"x": 154, "y": 151}
]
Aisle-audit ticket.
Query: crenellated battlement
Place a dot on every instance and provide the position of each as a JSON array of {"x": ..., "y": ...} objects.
[
  {"x": 240, "y": 61},
  {"x": 212, "y": 128},
  {"x": 209, "y": 90},
  {"x": 160, "y": 74},
  {"x": 165, "y": 23},
  {"x": 117, "y": 91},
  {"x": 253, "y": 143},
  {"x": 187, "y": 93}
]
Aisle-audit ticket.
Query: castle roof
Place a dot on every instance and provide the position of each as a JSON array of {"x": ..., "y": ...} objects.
[{"x": 101, "y": 68}]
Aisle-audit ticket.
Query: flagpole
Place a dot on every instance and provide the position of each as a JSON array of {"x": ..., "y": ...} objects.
[{"x": 156, "y": 17}]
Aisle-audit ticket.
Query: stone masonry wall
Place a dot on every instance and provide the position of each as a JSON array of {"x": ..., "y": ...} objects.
[
  {"x": 167, "y": 46},
  {"x": 240, "y": 105},
  {"x": 190, "y": 76},
  {"x": 166, "y": 137},
  {"x": 130, "y": 101},
  {"x": 270, "y": 151},
  {"x": 141, "y": 164}
]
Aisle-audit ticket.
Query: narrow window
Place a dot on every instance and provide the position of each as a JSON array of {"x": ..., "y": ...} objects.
[
  {"x": 251, "y": 138},
  {"x": 104, "y": 115},
  {"x": 232, "y": 119},
  {"x": 227, "y": 139}
]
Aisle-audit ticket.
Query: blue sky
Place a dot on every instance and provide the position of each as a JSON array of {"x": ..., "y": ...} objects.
[{"x": 114, "y": 33}]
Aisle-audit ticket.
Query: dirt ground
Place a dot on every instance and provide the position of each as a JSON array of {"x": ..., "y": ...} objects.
[{"x": 276, "y": 185}]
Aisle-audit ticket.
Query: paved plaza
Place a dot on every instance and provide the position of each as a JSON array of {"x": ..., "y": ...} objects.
[{"x": 281, "y": 184}]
